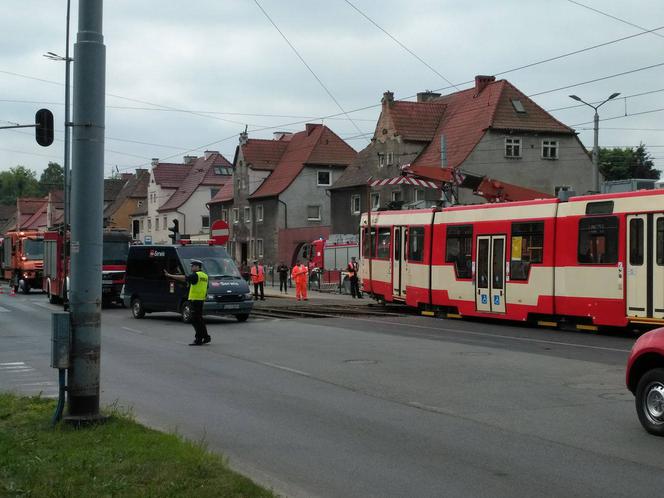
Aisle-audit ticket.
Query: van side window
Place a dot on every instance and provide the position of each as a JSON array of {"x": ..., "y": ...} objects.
[
  {"x": 459, "y": 244},
  {"x": 598, "y": 240},
  {"x": 527, "y": 248},
  {"x": 416, "y": 244}
]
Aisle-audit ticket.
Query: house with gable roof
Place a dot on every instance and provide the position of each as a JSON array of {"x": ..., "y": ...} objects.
[
  {"x": 279, "y": 199},
  {"x": 181, "y": 192},
  {"x": 133, "y": 195},
  {"x": 491, "y": 129}
]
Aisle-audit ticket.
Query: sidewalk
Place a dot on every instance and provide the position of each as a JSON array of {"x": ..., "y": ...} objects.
[{"x": 274, "y": 298}]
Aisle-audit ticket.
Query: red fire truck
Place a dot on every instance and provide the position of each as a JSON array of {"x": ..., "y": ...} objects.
[
  {"x": 56, "y": 265},
  {"x": 329, "y": 258},
  {"x": 22, "y": 256}
]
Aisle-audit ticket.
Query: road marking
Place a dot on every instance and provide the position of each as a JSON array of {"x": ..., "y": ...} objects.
[
  {"x": 286, "y": 369},
  {"x": 497, "y": 336},
  {"x": 132, "y": 330},
  {"x": 4, "y": 310},
  {"x": 46, "y": 306},
  {"x": 12, "y": 363}
]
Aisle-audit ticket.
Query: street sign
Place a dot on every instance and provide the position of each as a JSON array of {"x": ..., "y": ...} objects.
[{"x": 219, "y": 232}]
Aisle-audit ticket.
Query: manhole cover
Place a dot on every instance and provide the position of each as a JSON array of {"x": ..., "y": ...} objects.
[{"x": 361, "y": 361}]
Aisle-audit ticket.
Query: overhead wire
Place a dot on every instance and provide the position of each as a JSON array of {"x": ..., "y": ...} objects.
[{"x": 611, "y": 16}]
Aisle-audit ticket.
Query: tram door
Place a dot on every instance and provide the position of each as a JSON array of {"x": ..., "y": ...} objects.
[
  {"x": 399, "y": 262},
  {"x": 644, "y": 277},
  {"x": 490, "y": 274}
]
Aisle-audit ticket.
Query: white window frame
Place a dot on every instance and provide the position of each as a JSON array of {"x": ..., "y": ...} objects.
[
  {"x": 224, "y": 214},
  {"x": 259, "y": 212},
  {"x": 375, "y": 200},
  {"x": 149, "y": 225},
  {"x": 236, "y": 216},
  {"x": 142, "y": 225},
  {"x": 156, "y": 223},
  {"x": 395, "y": 194},
  {"x": 381, "y": 160},
  {"x": 353, "y": 198},
  {"x": 259, "y": 248},
  {"x": 203, "y": 219},
  {"x": 165, "y": 222},
  {"x": 389, "y": 160},
  {"x": 320, "y": 213},
  {"x": 510, "y": 144},
  {"x": 247, "y": 214},
  {"x": 329, "y": 178},
  {"x": 551, "y": 146}
]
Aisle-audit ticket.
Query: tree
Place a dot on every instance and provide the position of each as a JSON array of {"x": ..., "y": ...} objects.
[
  {"x": 18, "y": 182},
  {"x": 621, "y": 164},
  {"x": 52, "y": 178}
]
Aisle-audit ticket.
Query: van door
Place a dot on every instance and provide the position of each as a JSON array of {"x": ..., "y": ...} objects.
[
  {"x": 644, "y": 277},
  {"x": 399, "y": 262},
  {"x": 490, "y": 273}
]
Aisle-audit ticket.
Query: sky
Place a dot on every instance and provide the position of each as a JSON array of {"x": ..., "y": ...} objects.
[{"x": 185, "y": 77}]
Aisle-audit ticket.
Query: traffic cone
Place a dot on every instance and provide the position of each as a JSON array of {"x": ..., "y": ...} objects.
[{"x": 12, "y": 292}]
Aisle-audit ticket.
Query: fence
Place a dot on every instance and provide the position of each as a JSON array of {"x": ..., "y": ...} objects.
[{"x": 322, "y": 281}]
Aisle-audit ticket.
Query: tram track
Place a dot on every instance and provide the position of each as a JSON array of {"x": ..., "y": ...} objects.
[{"x": 327, "y": 311}]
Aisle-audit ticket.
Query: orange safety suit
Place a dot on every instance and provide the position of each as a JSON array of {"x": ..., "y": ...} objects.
[{"x": 299, "y": 275}]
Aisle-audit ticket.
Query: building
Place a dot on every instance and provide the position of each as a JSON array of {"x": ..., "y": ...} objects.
[
  {"x": 181, "y": 192},
  {"x": 279, "y": 198},
  {"x": 130, "y": 198},
  {"x": 491, "y": 129}
]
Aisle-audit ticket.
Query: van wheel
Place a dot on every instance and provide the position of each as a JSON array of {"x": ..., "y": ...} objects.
[
  {"x": 242, "y": 317},
  {"x": 137, "y": 308},
  {"x": 186, "y": 312}
]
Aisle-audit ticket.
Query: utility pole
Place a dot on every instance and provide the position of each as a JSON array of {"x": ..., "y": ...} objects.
[{"x": 86, "y": 213}]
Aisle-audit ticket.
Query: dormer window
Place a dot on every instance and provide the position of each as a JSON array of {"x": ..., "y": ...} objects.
[
  {"x": 222, "y": 170},
  {"x": 518, "y": 106}
]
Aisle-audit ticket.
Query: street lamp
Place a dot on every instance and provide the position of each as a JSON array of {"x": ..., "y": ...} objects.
[{"x": 596, "y": 138}]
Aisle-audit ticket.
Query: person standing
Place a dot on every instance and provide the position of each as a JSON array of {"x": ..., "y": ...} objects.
[
  {"x": 258, "y": 279},
  {"x": 198, "y": 283},
  {"x": 299, "y": 274},
  {"x": 283, "y": 271},
  {"x": 353, "y": 269}
]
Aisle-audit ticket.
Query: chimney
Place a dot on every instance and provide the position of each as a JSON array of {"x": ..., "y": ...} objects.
[
  {"x": 279, "y": 135},
  {"x": 155, "y": 161},
  {"x": 140, "y": 170},
  {"x": 244, "y": 137},
  {"x": 311, "y": 127},
  {"x": 190, "y": 159},
  {"x": 427, "y": 96},
  {"x": 208, "y": 153},
  {"x": 388, "y": 98},
  {"x": 481, "y": 82}
]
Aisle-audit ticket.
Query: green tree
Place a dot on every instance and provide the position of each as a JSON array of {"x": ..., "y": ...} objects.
[
  {"x": 620, "y": 164},
  {"x": 18, "y": 182},
  {"x": 52, "y": 178}
]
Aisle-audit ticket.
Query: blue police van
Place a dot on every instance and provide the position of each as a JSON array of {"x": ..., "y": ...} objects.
[{"x": 147, "y": 290}]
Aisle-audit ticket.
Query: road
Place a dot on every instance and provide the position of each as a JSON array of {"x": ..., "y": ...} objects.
[{"x": 405, "y": 406}]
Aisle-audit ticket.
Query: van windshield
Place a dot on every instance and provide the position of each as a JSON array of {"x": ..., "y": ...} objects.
[{"x": 216, "y": 262}]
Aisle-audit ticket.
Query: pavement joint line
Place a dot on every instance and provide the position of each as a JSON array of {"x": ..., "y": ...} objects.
[
  {"x": 497, "y": 336},
  {"x": 132, "y": 330}
]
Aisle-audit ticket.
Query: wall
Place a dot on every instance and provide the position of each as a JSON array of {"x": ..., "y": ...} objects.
[{"x": 291, "y": 239}]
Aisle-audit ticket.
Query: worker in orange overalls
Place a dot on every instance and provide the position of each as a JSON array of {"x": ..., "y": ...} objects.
[
  {"x": 299, "y": 275},
  {"x": 258, "y": 279}
]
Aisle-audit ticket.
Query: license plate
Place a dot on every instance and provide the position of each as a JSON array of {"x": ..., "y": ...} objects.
[
  {"x": 232, "y": 307},
  {"x": 107, "y": 282}
]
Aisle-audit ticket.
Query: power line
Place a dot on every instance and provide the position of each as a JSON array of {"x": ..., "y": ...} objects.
[
  {"x": 612, "y": 17},
  {"x": 574, "y": 106},
  {"x": 623, "y": 116},
  {"x": 400, "y": 44}
]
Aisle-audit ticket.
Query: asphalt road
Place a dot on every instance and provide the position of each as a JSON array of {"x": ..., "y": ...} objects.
[{"x": 364, "y": 407}]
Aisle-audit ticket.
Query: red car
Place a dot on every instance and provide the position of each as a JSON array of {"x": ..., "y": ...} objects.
[{"x": 645, "y": 378}]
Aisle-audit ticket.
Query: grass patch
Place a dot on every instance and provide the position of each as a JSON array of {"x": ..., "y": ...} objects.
[{"x": 117, "y": 458}]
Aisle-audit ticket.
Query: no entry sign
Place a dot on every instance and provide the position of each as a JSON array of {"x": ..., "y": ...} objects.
[{"x": 219, "y": 232}]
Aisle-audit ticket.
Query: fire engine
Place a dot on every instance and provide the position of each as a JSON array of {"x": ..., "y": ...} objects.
[
  {"x": 329, "y": 258},
  {"x": 57, "y": 265},
  {"x": 22, "y": 260}
]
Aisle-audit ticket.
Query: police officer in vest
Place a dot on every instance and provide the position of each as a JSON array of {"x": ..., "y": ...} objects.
[{"x": 198, "y": 282}]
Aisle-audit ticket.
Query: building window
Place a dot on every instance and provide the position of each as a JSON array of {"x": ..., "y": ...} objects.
[
  {"x": 259, "y": 212},
  {"x": 396, "y": 195},
  {"x": 549, "y": 149},
  {"x": 259, "y": 248},
  {"x": 236, "y": 216},
  {"x": 142, "y": 225},
  {"x": 221, "y": 170},
  {"x": 205, "y": 222},
  {"x": 313, "y": 213},
  {"x": 355, "y": 206},
  {"x": 527, "y": 248},
  {"x": 598, "y": 240},
  {"x": 224, "y": 215},
  {"x": 512, "y": 147},
  {"x": 381, "y": 160},
  {"x": 324, "y": 179},
  {"x": 375, "y": 200},
  {"x": 419, "y": 195},
  {"x": 389, "y": 158},
  {"x": 149, "y": 224},
  {"x": 165, "y": 222},
  {"x": 247, "y": 215},
  {"x": 518, "y": 106},
  {"x": 252, "y": 249},
  {"x": 156, "y": 223}
]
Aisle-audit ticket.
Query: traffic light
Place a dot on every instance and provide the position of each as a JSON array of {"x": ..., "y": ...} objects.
[
  {"x": 44, "y": 127},
  {"x": 175, "y": 229}
]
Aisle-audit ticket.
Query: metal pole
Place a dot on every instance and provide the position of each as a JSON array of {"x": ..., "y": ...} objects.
[
  {"x": 66, "y": 168},
  {"x": 596, "y": 154},
  {"x": 86, "y": 215}
]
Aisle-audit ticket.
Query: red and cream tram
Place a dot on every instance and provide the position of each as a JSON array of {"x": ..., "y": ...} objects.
[{"x": 595, "y": 260}]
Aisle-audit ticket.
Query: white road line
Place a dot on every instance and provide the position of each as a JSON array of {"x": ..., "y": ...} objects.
[
  {"x": 15, "y": 368},
  {"x": 12, "y": 363},
  {"x": 4, "y": 310},
  {"x": 132, "y": 330},
  {"x": 46, "y": 306},
  {"x": 281, "y": 367}
]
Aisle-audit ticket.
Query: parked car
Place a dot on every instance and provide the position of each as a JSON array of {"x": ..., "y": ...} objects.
[
  {"x": 645, "y": 378},
  {"x": 147, "y": 289}
]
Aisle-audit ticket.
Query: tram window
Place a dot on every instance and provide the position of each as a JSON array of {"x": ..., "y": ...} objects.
[
  {"x": 483, "y": 264},
  {"x": 383, "y": 250},
  {"x": 498, "y": 263},
  {"x": 636, "y": 241},
  {"x": 598, "y": 240},
  {"x": 660, "y": 241},
  {"x": 601, "y": 207},
  {"x": 416, "y": 244},
  {"x": 527, "y": 248},
  {"x": 367, "y": 242},
  {"x": 458, "y": 249}
]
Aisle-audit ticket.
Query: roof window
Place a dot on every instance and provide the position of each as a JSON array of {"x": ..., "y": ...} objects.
[{"x": 518, "y": 106}]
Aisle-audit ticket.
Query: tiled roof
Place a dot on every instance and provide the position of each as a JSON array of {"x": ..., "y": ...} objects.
[
  {"x": 264, "y": 154},
  {"x": 136, "y": 186},
  {"x": 170, "y": 175},
  {"x": 316, "y": 145},
  {"x": 112, "y": 187},
  {"x": 358, "y": 172},
  {"x": 416, "y": 121},
  {"x": 225, "y": 193},
  {"x": 198, "y": 175}
]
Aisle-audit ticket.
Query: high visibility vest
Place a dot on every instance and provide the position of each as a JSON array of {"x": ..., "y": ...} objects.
[
  {"x": 198, "y": 291},
  {"x": 257, "y": 274}
]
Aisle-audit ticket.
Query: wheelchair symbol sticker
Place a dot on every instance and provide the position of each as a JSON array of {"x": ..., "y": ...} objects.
[
  {"x": 496, "y": 300},
  {"x": 484, "y": 299}
]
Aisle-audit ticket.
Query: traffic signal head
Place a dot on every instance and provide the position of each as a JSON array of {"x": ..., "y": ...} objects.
[
  {"x": 175, "y": 232},
  {"x": 44, "y": 127}
]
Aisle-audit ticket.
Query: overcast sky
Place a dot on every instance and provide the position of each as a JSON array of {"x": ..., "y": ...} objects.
[{"x": 183, "y": 77}]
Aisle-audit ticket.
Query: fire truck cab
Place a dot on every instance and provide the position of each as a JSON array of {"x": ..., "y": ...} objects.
[{"x": 22, "y": 260}]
